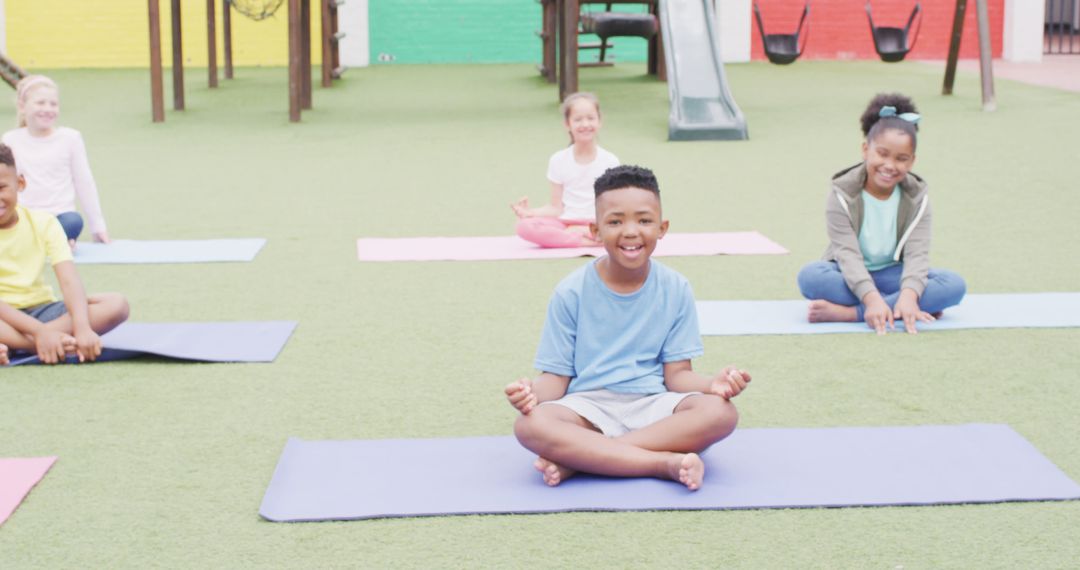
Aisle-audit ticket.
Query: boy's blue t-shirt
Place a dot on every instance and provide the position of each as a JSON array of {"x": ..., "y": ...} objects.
[{"x": 603, "y": 339}]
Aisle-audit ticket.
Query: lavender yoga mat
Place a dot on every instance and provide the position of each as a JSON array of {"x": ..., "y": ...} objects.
[
  {"x": 754, "y": 468},
  {"x": 1012, "y": 310},
  {"x": 17, "y": 477},
  {"x": 242, "y": 341},
  {"x": 513, "y": 247},
  {"x": 173, "y": 251}
]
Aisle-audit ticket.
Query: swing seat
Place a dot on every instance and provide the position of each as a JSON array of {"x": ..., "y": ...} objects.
[
  {"x": 893, "y": 44},
  {"x": 783, "y": 49}
]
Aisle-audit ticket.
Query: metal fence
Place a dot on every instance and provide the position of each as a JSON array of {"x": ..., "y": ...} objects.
[{"x": 1062, "y": 27}]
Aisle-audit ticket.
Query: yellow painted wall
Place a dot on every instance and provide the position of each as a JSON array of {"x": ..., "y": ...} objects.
[{"x": 115, "y": 33}]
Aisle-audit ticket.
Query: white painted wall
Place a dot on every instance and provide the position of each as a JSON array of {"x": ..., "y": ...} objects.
[
  {"x": 355, "y": 49},
  {"x": 734, "y": 20},
  {"x": 1023, "y": 33}
]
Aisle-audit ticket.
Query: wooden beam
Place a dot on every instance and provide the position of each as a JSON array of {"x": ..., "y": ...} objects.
[
  {"x": 294, "y": 61},
  {"x": 211, "y": 43},
  {"x": 305, "y": 54},
  {"x": 568, "y": 52},
  {"x": 226, "y": 23},
  {"x": 177, "y": 58},
  {"x": 157, "y": 102},
  {"x": 327, "y": 32},
  {"x": 954, "y": 47},
  {"x": 986, "y": 68}
]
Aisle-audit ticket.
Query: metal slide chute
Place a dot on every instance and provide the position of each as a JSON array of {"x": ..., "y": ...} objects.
[{"x": 702, "y": 107}]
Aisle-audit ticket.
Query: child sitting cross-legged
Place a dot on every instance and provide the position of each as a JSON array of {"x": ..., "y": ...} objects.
[
  {"x": 31, "y": 318},
  {"x": 617, "y": 394}
]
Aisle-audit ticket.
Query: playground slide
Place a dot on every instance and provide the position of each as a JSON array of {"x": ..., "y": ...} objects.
[{"x": 702, "y": 107}]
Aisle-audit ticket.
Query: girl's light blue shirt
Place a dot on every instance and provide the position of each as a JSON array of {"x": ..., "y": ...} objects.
[{"x": 877, "y": 236}]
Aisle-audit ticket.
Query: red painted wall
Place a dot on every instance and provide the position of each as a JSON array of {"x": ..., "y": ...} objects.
[{"x": 839, "y": 28}]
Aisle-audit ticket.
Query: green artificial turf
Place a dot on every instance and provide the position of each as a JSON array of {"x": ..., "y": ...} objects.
[{"x": 165, "y": 463}]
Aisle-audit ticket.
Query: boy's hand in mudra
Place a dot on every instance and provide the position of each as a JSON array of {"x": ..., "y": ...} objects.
[{"x": 729, "y": 382}]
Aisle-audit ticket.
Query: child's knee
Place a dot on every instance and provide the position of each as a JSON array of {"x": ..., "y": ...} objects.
[
  {"x": 810, "y": 277},
  {"x": 114, "y": 307},
  {"x": 723, "y": 417}
]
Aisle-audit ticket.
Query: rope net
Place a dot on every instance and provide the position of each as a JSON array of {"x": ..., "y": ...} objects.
[{"x": 256, "y": 9}]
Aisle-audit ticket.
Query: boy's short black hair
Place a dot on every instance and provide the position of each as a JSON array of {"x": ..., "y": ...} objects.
[
  {"x": 627, "y": 176},
  {"x": 6, "y": 156}
]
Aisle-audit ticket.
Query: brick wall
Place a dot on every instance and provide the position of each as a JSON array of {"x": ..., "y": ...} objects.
[{"x": 839, "y": 28}]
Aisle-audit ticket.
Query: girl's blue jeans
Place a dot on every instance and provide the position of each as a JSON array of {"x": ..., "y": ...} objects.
[{"x": 823, "y": 280}]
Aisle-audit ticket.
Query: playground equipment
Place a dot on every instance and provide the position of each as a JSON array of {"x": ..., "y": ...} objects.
[
  {"x": 610, "y": 24},
  {"x": 783, "y": 49},
  {"x": 299, "y": 14},
  {"x": 893, "y": 44},
  {"x": 685, "y": 52},
  {"x": 986, "y": 69},
  {"x": 702, "y": 107},
  {"x": 10, "y": 72}
]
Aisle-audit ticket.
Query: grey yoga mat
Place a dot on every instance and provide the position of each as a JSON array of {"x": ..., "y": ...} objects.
[
  {"x": 240, "y": 341},
  {"x": 170, "y": 251},
  {"x": 754, "y": 468},
  {"x": 1009, "y": 310}
]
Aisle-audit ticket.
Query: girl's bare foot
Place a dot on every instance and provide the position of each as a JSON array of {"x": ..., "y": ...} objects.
[
  {"x": 553, "y": 473},
  {"x": 687, "y": 469},
  {"x": 822, "y": 311}
]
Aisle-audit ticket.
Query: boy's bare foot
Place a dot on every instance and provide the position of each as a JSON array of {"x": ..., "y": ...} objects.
[
  {"x": 687, "y": 469},
  {"x": 71, "y": 346},
  {"x": 553, "y": 473},
  {"x": 822, "y": 311}
]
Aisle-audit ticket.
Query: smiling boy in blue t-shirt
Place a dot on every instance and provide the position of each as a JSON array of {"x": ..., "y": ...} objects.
[{"x": 617, "y": 394}]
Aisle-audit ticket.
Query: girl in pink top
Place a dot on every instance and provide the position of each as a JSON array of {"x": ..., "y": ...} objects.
[
  {"x": 53, "y": 160},
  {"x": 571, "y": 171}
]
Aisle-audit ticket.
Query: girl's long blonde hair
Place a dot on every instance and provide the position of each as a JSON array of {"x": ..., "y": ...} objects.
[{"x": 22, "y": 93}]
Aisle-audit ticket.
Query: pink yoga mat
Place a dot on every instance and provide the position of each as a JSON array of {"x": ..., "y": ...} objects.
[
  {"x": 17, "y": 477},
  {"x": 513, "y": 247}
]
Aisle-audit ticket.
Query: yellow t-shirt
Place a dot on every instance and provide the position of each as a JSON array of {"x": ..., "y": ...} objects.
[{"x": 23, "y": 251}]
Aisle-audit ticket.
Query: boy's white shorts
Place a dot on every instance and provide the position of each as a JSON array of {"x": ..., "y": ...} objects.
[{"x": 615, "y": 413}]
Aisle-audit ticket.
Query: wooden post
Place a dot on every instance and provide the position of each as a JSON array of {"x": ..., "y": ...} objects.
[
  {"x": 305, "y": 54},
  {"x": 568, "y": 49},
  {"x": 294, "y": 61},
  {"x": 177, "y": 58},
  {"x": 335, "y": 52},
  {"x": 157, "y": 102},
  {"x": 954, "y": 47},
  {"x": 211, "y": 42},
  {"x": 327, "y": 30},
  {"x": 547, "y": 39},
  {"x": 986, "y": 68},
  {"x": 226, "y": 23}
]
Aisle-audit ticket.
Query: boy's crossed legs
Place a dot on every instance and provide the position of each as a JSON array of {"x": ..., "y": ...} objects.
[
  {"x": 106, "y": 311},
  {"x": 566, "y": 442}
]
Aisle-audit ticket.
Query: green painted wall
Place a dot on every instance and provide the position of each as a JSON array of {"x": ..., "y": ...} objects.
[{"x": 469, "y": 31}]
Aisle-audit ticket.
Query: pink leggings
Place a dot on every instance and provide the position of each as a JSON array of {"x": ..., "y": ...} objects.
[{"x": 551, "y": 232}]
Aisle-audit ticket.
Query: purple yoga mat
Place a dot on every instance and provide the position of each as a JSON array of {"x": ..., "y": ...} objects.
[
  {"x": 754, "y": 468},
  {"x": 240, "y": 341},
  {"x": 513, "y": 247}
]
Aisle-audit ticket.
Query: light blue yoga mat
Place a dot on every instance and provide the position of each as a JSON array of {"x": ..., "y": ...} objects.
[
  {"x": 754, "y": 468},
  {"x": 172, "y": 251},
  {"x": 234, "y": 341},
  {"x": 1011, "y": 310}
]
